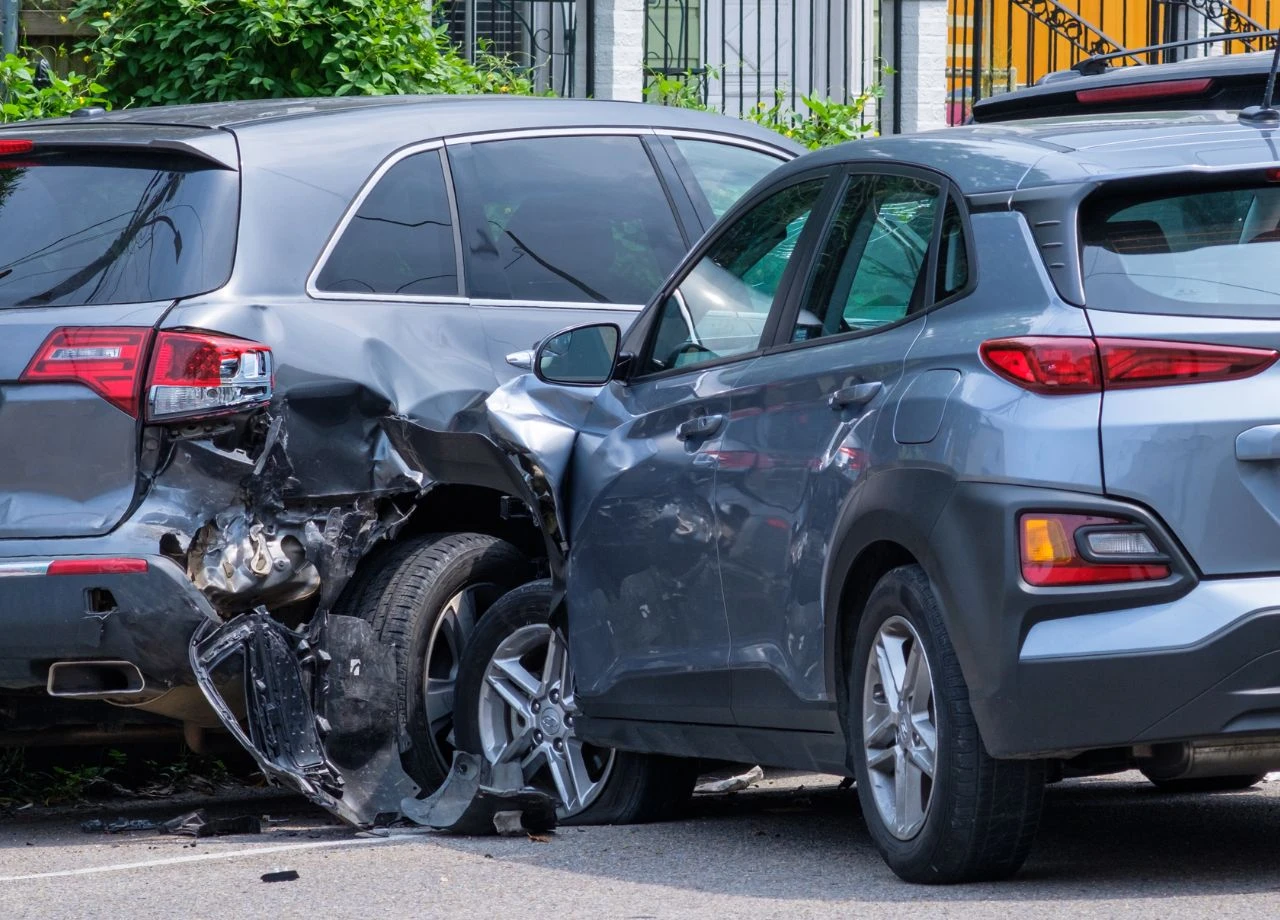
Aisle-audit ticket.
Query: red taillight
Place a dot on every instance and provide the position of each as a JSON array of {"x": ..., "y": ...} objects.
[
  {"x": 1049, "y": 364},
  {"x": 11, "y": 147},
  {"x": 1051, "y": 557},
  {"x": 197, "y": 373},
  {"x": 107, "y": 359},
  {"x": 101, "y": 566},
  {"x": 1138, "y": 92}
]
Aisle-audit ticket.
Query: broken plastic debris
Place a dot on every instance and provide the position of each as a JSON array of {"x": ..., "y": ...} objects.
[
  {"x": 733, "y": 783},
  {"x": 119, "y": 825},
  {"x": 198, "y": 824},
  {"x": 281, "y": 875},
  {"x": 474, "y": 796}
]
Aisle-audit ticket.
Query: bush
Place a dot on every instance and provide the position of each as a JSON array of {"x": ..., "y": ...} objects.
[
  {"x": 22, "y": 95},
  {"x": 820, "y": 123},
  {"x": 160, "y": 52}
]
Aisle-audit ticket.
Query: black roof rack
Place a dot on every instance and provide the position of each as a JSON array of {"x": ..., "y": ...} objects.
[{"x": 1097, "y": 64}]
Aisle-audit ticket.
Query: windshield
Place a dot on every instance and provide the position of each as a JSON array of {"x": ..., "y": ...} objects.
[
  {"x": 107, "y": 229},
  {"x": 1209, "y": 253}
]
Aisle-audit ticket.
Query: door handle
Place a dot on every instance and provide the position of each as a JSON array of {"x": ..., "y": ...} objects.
[
  {"x": 851, "y": 397},
  {"x": 1261, "y": 443},
  {"x": 699, "y": 428}
]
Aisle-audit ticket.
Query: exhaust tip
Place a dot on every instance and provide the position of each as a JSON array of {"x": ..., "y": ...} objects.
[{"x": 95, "y": 680}]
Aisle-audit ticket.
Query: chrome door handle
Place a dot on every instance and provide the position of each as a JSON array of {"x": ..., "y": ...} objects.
[
  {"x": 850, "y": 397},
  {"x": 699, "y": 428}
]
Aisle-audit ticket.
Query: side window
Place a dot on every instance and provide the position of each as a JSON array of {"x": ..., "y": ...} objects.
[
  {"x": 720, "y": 307},
  {"x": 565, "y": 219},
  {"x": 953, "y": 256},
  {"x": 873, "y": 264},
  {"x": 401, "y": 238},
  {"x": 724, "y": 172}
]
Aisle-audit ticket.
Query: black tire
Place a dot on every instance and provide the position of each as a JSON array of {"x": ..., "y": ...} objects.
[
  {"x": 1207, "y": 783},
  {"x": 402, "y": 592},
  {"x": 640, "y": 787},
  {"x": 982, "y": 813}
]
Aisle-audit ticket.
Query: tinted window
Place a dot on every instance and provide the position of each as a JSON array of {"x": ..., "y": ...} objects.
[
  {"x": 721, "y": 306},
  {"x": 873, "y": 263},
  {"x": 401, "y": 238},
  {"x": 953, "y": 255},
  {"x": 565, "y": 219},
  {"x": 1203, "y": 253},
  {"x": 76, "y": 230},
  {"x": 724, "y": 172}
]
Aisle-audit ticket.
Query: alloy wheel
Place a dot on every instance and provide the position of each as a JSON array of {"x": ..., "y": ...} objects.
[
  {"x": 449, "y": 635},
  {"x": 899, "y": 727},
  {"x": 527, "y": 714}
]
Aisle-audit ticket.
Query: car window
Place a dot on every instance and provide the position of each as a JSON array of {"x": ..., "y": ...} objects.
[
  {"x": 720, "y": 307},
  {"x": 724, "y": 172},
  {"x": 953, "y": 255},
  {"x": 566, "y": 219},
  {"x": 400, "y": 240},
  {"x": 873, "y": 262}
]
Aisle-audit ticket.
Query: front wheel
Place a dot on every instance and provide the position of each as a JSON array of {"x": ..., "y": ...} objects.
[
  {"x": 516, "y": 704},
  {"x": 938, "y": 807}
]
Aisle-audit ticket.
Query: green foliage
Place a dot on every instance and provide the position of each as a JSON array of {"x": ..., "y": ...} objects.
[
  {"x": 817, "y": 123},
  {"x": 159, "y": 52},
  {"x": 20, "y": 98}
]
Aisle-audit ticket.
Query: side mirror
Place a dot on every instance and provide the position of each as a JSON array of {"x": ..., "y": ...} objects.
[{"x": 581, "y": 356}]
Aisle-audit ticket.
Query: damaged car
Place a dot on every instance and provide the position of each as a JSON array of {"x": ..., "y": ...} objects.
[
  {"x": 944, "y": 462},
  {"x": 220, "y": 323}
]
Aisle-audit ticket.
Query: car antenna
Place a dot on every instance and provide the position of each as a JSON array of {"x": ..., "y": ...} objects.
[{"x": 1264, "y": 115}]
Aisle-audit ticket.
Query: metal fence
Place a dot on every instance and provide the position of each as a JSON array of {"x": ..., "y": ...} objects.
[
  {"x": 539, "y": 38},
  {"x": 743, "y": 53},
  {"x": 1001, "y": 45}
]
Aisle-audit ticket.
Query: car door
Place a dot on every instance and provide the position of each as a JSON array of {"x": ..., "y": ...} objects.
[
  {"x": 806, "y": 429},
  {"x": 647, "y": 623}
]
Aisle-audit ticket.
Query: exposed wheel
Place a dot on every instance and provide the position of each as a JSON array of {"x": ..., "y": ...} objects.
[
  {"x": 423, "y": 597},
  {"x": 939, "y": 808},
  {"x": 516, "y": 703},
  {"x": 1206, "y": 783}
]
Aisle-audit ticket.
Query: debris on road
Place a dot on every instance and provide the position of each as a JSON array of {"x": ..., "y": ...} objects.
[
  {"x": 480, "y": 798},
  {"x": 732, "y": 783},
  {"x": 193, "y": 824},
  {"x": 281, "y": 875}
]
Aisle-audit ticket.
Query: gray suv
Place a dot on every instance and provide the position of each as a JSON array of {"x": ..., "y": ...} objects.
[
  {"x": 213, "y": 316},
  {"x": 947, "y": 462}
]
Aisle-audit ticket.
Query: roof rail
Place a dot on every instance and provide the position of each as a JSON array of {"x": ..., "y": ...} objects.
[{"x": 1097, "y": 64}]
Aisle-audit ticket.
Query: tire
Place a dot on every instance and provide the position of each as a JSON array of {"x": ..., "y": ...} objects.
[
  {"x": 1207, "y": 783},
  {"x": 975, "y": 819},
  {"x": 629, "y": 787},
  {"x": 422, "y": 598}
]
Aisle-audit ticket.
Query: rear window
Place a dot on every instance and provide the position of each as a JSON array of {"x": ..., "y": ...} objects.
[
  {"x": 76, "y": 230},
  {"x": 1208, "y": 253}
]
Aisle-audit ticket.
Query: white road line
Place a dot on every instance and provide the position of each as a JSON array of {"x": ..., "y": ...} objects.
[{"x": 201, "y": 857}]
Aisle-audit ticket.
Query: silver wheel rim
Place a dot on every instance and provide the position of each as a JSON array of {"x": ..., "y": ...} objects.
[
  {"x": 899, "y": 728},
  {"x": 449, "y": 635},
  {"x": 527, "y": 714}
]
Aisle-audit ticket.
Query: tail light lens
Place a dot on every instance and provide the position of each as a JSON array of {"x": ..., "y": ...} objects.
[
  {"x": 197, "y": 374},
  {"x": 192, "y": 374},
  {"x": 1144, "y": 92},
  {"x": 1067, "y": 364},
  {"x": 1078, "y": 549},
  {"x": 108, "y": 360}
]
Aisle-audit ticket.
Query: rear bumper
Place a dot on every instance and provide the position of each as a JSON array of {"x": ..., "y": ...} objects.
[
  {"x": 146, "y": 617},
  {"x": 1058, "y": 671}
]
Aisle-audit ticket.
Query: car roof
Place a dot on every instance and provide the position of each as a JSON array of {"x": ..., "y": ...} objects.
[
  {"x": 442, "y": 116},
  {"x": 1233, "y": 69},
  {"x": 1007, "y": 156}
]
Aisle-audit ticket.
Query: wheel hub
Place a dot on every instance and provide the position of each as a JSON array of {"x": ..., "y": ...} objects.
[{"x": 551, "y": 720}]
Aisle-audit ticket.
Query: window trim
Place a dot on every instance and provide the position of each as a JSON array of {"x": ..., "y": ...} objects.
[
  {"x": 949, "y": 193},
  {"x": 313, "y": 289},
  {"x": 645, "y": 328},
  {"x": 684, "y": 172}
]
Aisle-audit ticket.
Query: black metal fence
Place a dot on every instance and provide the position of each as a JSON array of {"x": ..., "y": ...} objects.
[
  {"x": 1001, "y": 45},
  {"x": 540, "y": 38},
  {"x": 741, "y": 54}
]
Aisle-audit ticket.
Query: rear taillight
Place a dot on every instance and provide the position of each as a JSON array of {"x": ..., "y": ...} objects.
[
  {"x": 1076, "y": 364},
  {"x": 1141, "y": 92},
  {"x": 192, "y": 374},
  {"x": 108, "y": 360},
  {"x": 1078, "y": 549},
  {"x": 15, "y": 145},
  {"x": 97, "y": 566},
  {"x": 196, "y": 374}
]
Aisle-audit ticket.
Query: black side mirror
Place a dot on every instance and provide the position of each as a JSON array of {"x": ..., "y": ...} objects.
[{"x": 581, "y": 356}]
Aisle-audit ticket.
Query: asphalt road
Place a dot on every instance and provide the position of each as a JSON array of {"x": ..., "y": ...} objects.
[{"x": 792, "y": 848}]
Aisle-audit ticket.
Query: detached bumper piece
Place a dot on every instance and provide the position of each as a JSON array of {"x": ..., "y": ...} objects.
[
  {"x": 480, "y": 798},
  {"x": 319, "y": 709}
]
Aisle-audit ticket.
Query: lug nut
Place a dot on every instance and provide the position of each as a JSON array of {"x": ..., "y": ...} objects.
[
  {"x": 537, "y": 737},
  {"x": 536, "y": 706},
  {"x": 568, "y": 720},
  {"x": 555, "y": 696},
  {"x": 558, "y": 745}
]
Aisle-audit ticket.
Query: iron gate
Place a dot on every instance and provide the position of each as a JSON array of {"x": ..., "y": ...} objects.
[{"x": 537, "y": 37}]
